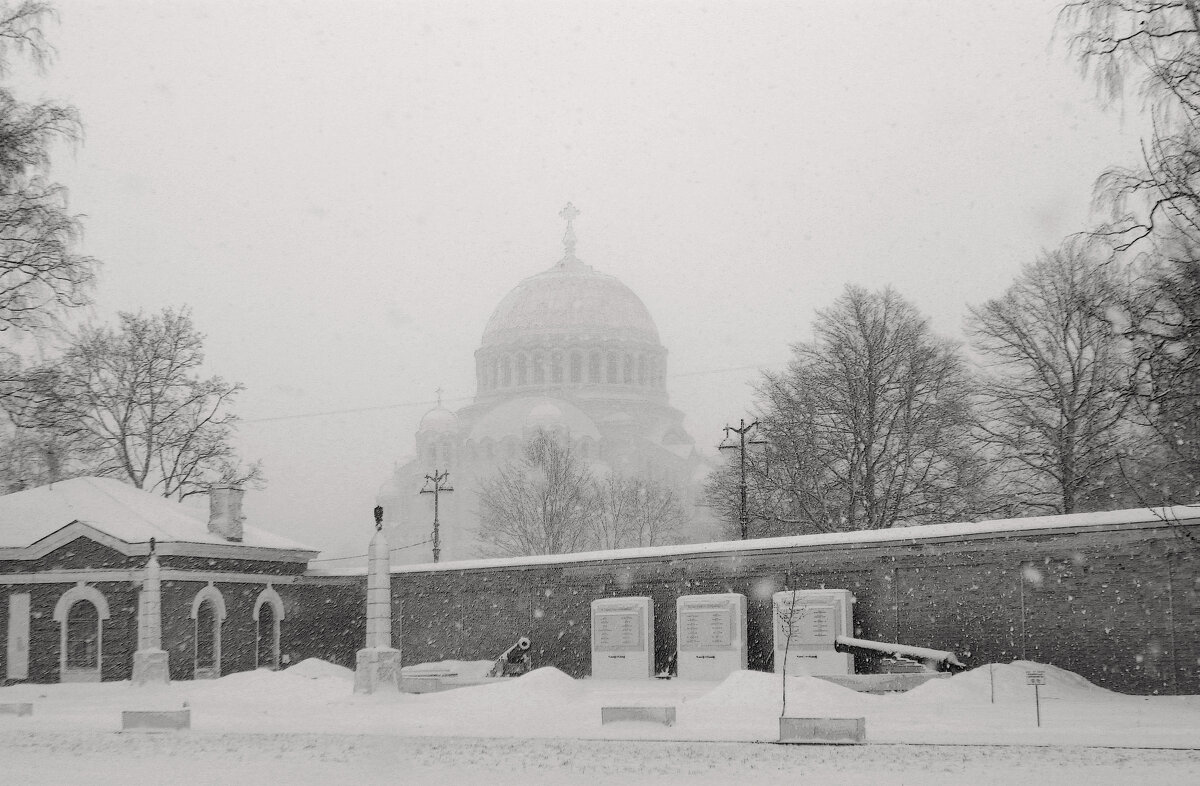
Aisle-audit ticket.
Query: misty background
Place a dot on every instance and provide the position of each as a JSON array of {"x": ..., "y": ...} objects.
[{"x": 342, "y": 192}]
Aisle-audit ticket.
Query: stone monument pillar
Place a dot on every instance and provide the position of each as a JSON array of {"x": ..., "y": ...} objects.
[
  {"x": 378, "y": 664},
  {"x": 150, "y": 660}
]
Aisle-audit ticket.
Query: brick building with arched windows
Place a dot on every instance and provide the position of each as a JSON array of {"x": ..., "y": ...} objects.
[{"x": 72, "y": 559}]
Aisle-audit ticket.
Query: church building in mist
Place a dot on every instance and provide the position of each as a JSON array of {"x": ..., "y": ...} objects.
[{"x": 571, "y": 351}]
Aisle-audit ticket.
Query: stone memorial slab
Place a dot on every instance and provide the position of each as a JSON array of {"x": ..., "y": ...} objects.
[
  {"x": 622, "y": 638},
  {"x": 663, "y": 715},
  {"x": 711, "y": 635},
  {"x": 156, "y": 720},
  {"x": 18, "y": 708},
  {"x": 823, "y": 731},
  {"x": 813, "y": 619}
]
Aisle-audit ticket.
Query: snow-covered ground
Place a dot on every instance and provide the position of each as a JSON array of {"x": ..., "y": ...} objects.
[{"x": 305, "y": 725}]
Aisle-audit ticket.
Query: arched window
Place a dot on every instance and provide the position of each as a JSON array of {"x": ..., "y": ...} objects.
[
  {"x": 493, "y": 373},
  {"x": 208, "y": 611},
  {"x": 539, "y": 369},
  {"x": 80, "y": 613},
  {"x": 576, "y": 367},
  {"x": 556, "y": 369},
  {"x": 613, "y": 373},
  {"x": 594, "y": 367},
  {"x": 641, "y": 369},
  {"x": 83, "y": 635},
  {"x": 208, "y": 643},
  {"x": 522, "y": 369},
  {"x": 505, "y": 371},
  {"x": 268, "y": 613},
  {"x": 627, "y": 376}
]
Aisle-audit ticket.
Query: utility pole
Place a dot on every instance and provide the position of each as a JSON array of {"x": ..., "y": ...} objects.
[
  {"x": 437, "y": 479},
  {"x": 758, "y": 445}
]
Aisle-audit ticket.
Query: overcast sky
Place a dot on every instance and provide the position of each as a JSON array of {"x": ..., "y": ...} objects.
[{"x": 343, "y": 191}]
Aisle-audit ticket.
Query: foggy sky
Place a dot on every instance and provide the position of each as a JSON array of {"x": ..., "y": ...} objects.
[{"x": 343, "y": 191}]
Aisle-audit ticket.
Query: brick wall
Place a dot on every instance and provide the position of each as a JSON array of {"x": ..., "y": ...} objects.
[{"x": 1120, "y": 607}]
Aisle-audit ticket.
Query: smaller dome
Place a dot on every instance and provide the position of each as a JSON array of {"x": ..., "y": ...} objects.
[
  {"x": 439, "y": 420},
  {"x": 389, "y": 491},
  {"x": 544, "y": 416},
  {"x": 519, "y": 415}
]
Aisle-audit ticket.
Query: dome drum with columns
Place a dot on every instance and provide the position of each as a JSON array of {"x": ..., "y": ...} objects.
[{"x": 570, "y": 351}]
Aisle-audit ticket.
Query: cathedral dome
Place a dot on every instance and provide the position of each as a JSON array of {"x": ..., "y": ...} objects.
[
  {"x": 570, "y": 299},
  {"x": 571, "y": 329},
  {"x": 439, "y": 420}
]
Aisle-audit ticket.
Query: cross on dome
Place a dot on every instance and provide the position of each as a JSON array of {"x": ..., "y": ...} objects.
[{"x": 569, "y": 213}]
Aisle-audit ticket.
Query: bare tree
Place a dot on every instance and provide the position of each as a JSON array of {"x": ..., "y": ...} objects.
[
  {"x": 39, "y": 272},
  {"x": 634, "y": 512},
  {"x": 658, "y": 516},
  {"x": 869, "y": 427},
  {"x": 1164, "y": 315},
  {"x": 1154, "y": 206},
  {"x": 542, "y": 504},
  {"x": 132, "y": 406},
  {"x": 787, "y": 620},
  {"x": 1057, "y": 393},
  {"x": 610, "y": 525},
  {"x": 34, "y": 457}
]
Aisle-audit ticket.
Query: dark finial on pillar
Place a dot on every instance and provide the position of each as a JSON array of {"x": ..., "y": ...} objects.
[
  {"x": 152, "y": 547},
  {"x": 378, "y": 517}
]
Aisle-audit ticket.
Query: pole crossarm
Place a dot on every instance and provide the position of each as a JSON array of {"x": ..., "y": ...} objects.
[
  {"x": 742, "y": 430},
  {"x": 436, "y": 484}
]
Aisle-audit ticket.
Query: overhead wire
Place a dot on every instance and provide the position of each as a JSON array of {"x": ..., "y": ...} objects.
[
  {"x": 360, "y": 556},
  {"x": 461, "y": 399}
]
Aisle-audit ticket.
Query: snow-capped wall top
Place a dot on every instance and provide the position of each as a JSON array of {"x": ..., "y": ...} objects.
[{"x": 1182, "y": 515}]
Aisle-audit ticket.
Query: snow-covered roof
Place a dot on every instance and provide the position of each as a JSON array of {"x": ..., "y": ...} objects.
[
  {"x": 1188, "y": 515},
  {"x": 117, "y": 510}
]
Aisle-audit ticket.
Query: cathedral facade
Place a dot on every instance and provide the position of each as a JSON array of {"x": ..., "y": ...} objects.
[{"x": 570, "y": 351}]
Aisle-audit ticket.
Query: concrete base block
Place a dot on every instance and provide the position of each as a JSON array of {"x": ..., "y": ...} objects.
[
  {"x": 663, "y": 715},
  {"x": 823, "y": 731},
  {"x": 156, "y": 720},
  {"x": 16, "y": 708},
  {"x": 376, "y": 669},
  {"x": 150, "y": 667}
]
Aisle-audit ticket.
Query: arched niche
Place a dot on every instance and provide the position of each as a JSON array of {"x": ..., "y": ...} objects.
[
  {"x": 80, "y": 614},
  {"x": 208, "y": 612}
]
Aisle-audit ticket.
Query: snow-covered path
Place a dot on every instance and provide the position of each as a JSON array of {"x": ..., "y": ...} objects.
[
  {"x": 196, "y": 758},
  {"x": 306, "y": 725}
]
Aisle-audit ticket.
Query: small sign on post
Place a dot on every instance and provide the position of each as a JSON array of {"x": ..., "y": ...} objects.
[{"x": 1036, "y": 679}]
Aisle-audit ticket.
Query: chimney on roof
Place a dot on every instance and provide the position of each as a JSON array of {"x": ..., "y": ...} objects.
[{"x": 225, "y": 512}]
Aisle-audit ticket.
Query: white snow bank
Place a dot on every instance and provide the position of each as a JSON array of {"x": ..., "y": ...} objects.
[
  {"x": 537, "y": 689},
  {"x": 975, "y": 686},
  {"x": 761, "y": 689},
  {"x": 317, "y": 669}
]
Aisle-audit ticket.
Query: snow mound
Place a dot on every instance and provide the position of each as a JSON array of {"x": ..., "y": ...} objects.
[
  {"x": 317, "y": 669},
  {"x": 761, "y": 689},
  {"x": 539, "y": 687},
  {"x": 975, "y": 686},
  {"x": 546, "y": 681}
]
